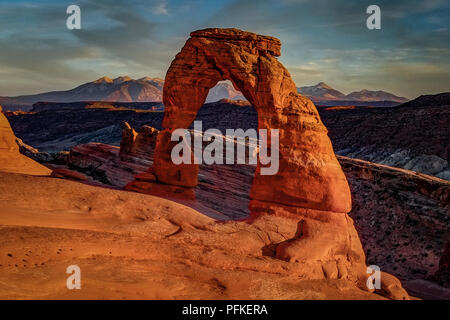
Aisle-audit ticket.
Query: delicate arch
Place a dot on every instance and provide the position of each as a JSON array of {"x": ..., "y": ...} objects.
[{"x": 309, "y": 174}]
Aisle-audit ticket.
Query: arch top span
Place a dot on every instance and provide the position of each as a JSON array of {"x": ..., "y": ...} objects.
[
  {"x": 270, "y": 45},
  {"x": 309, "y": 174}
]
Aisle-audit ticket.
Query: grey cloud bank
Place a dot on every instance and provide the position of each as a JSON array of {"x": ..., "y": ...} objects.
[{"x": 322, "y": 41}]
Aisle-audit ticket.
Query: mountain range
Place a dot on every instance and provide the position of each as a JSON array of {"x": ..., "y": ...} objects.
[
  {"x": 126, "y": 89},
  {"x": 322, "y": 92},
  {"x": 122, "y": 89}
]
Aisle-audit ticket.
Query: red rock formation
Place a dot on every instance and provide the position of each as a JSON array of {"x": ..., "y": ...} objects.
[
  {"x": 7, "y": 137},
  {"x": 135, "y": 144},
  {"x": 309, "y": 175},
  {"x": 10, "y": 158},
  {"x": 310, "y": 193},
  {"x": 115, "y": 166},
  {"x": 128, "y": 139},
  {"x": 102, "y": 162},
  {"x": 384, "y": 198},
  {"x": 145, "y": 247},
  {"x": 68, "y": 174}
]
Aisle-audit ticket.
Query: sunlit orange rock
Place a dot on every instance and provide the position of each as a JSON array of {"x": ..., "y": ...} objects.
[
  {"x": 11, "y": 160},
  {"x": 309, "y": 196},
  {"x": 7, "y": 137},
  {"x": 309, "y": 175}
]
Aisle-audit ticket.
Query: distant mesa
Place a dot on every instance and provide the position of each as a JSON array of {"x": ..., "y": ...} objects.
[{"x": 430, "y": 100}]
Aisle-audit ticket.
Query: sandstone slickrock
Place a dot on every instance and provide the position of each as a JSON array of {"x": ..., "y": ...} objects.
[
  {"x": 212, "y": 197},
  {"x": 68, "y": 174},
  {"x": 10, "y": 158},
  {"x": 144, "y": 247},
  {"x": 58, "y": 158},
  {"x": 7, "y": 137},
  {"x": 401, "y": 217},
  {"x": 103, "y": 163},
  {"x": 309, "y": 191}
]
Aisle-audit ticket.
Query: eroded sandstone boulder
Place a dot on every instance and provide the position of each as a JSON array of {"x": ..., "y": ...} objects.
[
  {"x": 137, "y": 144},
  {"x": 113, "y": 165},
  {"x": 128, "y": 139}
]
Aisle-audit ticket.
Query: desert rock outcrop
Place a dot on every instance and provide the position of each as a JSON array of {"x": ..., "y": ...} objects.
[
  {"x": 7, "y": 137},
  {"x": 309, "y": 175},
  {"x": 309, "y": 191},
  {"x": 134, "y": 144},
  {"x": 10, "y": 158}
]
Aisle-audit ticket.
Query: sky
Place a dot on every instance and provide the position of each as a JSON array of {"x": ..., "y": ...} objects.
[{"x": 321, "y": 41}]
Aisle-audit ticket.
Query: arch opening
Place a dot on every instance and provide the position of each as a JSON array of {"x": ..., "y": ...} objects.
[{"x": 223, "y": 188}]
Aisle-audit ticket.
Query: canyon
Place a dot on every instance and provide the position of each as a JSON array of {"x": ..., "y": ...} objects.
[{"x": 368, "y": 133}]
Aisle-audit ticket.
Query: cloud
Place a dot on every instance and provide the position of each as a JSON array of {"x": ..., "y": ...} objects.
[
  {"x": 115, "y": 39},
  {"x": 161, "y": 8},
  {"x": 322, "y": 40}
]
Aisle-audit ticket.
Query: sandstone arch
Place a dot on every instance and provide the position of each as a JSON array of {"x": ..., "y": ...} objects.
[
  {"x": 300, "y": 211},
  {"x": 309, "y": 175}
]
